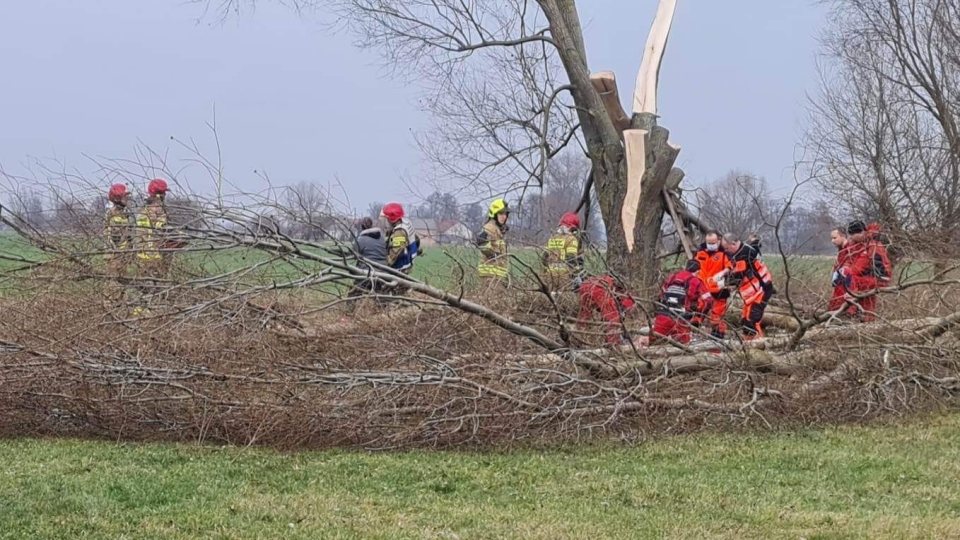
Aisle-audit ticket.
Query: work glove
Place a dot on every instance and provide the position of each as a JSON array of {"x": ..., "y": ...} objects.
[
  {"x": 577, "y": 282},
  {"x": 840, "y": 276}
]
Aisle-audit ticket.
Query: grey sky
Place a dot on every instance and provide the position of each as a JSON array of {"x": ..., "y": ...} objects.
[{"x": 94, "y": 77}]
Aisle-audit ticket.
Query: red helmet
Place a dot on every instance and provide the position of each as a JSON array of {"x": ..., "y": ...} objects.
[
  {"x": 157, "y": 187},
  {"x": 393, "y": 212},
  {"x": 570, "y": 220},
  {"x": 117, "y": 193}
]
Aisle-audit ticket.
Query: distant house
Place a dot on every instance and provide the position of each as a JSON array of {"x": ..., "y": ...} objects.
[
  {"x": 454, "y": 232},
  {"x": 433, "y": 233}
]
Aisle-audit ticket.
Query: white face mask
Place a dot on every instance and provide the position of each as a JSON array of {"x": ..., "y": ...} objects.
[{"x": 713, "y": 247}]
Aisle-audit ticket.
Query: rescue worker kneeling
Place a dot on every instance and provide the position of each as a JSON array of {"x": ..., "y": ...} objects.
[
  {"x": 604, "y": 294},
  {"x": 683, "y": 297}
]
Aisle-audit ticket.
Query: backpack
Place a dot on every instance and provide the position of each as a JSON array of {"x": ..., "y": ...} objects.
[{"x": 673, "y": 297}]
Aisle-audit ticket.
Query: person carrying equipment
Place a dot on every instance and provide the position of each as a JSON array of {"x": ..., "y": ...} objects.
[
  {"x": 683, "y": 296},
  {"x": 605, "y": 294},
  {"x": 751, "y": 277},
  {"x": 494, "y": 267},
  {"x": 714, "y": 266},
  {"x": 151, "y": 221},
  {"x": 403, "y": 243},
  {"x": 563, "y": 258}
]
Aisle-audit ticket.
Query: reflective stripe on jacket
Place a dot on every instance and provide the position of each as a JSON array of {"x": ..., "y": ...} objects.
[
  {"x": 494, "y": 260},
  {"x": 149, "y": 221}
]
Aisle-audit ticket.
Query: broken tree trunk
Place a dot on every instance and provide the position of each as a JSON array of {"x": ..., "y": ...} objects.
[
  {"x": 648, "y": 79},
  {"x": 606, "y": 84}
]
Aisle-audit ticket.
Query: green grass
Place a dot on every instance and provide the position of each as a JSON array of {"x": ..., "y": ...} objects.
[
  {"x": 12, "y": 246},
  {"x": 880, "y": 482}
]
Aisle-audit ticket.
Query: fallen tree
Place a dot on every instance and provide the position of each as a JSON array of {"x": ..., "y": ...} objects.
[{"x": 247, "y": 356}]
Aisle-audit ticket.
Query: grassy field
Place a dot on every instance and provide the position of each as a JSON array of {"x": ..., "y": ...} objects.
[
  {"x": 880, "y": 482},
  {"x": 441, "y": 266}
]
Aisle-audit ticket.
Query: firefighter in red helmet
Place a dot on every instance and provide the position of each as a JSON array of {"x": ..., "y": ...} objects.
[
  {"x": 403, "y": 243},
  {"x": 151, "y": 221},
  {"x": 563, "y": 258},
  {"x": 118, "y": 233}
]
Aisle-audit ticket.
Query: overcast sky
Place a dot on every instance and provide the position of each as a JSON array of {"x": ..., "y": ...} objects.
[{"x": 95, "y": 77}]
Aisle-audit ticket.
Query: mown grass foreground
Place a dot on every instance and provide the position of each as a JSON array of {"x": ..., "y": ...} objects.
[{"x": 886, "y": 482}]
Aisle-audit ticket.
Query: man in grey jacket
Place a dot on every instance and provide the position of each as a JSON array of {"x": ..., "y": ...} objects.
[{"x": 370, "y": 245}]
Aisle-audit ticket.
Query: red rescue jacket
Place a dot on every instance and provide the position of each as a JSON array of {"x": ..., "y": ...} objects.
[{"x": 683, "y": 293}]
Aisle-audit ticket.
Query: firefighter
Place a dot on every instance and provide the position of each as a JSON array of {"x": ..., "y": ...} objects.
[
  {"x": 494, "y": 267},
  {"x": 683, "y": 297},
  {"x": 867, "y": 269},
  {"x": 606, "y": 295},
  {"x": 714, "y": 266},
  {"x": 118, "y": 231},
  {"x": 751, "y": 277},
  {"x": 119, "y": 236},
  {"x": 403, "y": 243},
  {"x": 838, "y": 237},
  {"x": 151, "y": 221},
  {"x": 563, "y": 258}
]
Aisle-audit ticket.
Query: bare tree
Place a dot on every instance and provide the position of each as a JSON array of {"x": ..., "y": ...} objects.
[
  {"x": 440, "y": 206},
  {"x": 737, "y": 202},
  {"x": 307, "y": 211},
  {"x": 374, "y": 209},
  {"x": 509, "y": 88},
  {"x": 806, "y": 230},
  {"x": 473, "y": 216},
  {"x": 884, "y": 131},
  {"x": 28, "y": 207},
  {"x": 566, "y": 177}
]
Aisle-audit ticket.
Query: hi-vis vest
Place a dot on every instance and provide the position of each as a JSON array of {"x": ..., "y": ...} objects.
[
  {"x": 404, "y": 238},
  {"x": 118, "y": 228},
  {"x": 756, "y": 276},
  {"x": 712, "y": 263},
  {"x": 560, "y": 250},
  {"x": 494, "y": 261},
  {"x": 149, "y": 220}
]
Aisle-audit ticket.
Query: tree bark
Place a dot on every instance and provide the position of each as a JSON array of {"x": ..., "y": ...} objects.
[{"x": 640, "y": 266}]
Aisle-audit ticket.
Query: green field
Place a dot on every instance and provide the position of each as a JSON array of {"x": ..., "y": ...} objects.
[
  {"x": 440, "y": 266},
  {"x": 851, "y": 482}
]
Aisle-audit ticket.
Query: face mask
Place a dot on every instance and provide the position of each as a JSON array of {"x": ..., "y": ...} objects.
[{"x": 713, "y": 247}]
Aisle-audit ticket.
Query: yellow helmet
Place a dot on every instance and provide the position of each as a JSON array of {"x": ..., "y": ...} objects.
[{"x": 497, "y": 207}]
